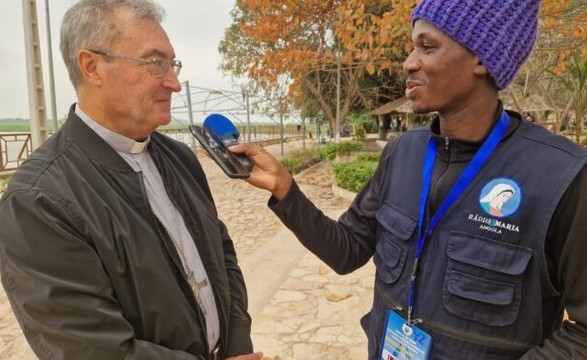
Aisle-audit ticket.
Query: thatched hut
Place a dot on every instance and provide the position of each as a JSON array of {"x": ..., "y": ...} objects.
[{"x": 396, "y": 115}]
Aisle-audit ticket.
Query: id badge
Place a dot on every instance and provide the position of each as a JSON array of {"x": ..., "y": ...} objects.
[{"x": 402, "y": 341}]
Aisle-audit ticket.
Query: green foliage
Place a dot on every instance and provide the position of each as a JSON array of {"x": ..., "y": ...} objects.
[
  {"x": 360, "y": 131},
  {"x": 348, "y": 147},
  {"x": 353, "y": 175},
  {"x": 575, "y": 82},
  {"x": 350, "y": 175},
  {"x": 359, "y": 118},
  {"x": 331, "y": 150},
  {"x": 361, "y": 121},
  {"x": 299, "y": 161},
  {"x": 3, "y": 184},
  {"x": 373, "y": 157},
  {"x": 327, "y": 152}
]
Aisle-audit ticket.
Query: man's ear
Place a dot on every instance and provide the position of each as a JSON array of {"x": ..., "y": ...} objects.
[
  {"x": 88, "y": 65},
  {"x": 479, "y": 68}
]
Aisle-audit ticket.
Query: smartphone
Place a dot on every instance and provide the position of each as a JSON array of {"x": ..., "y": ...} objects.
[{"x": 228, "y": 161}]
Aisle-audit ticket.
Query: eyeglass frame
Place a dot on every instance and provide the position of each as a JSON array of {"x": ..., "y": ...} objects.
[{"x": 155, "y": 62}]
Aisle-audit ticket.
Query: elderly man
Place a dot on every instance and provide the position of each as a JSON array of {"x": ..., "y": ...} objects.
[{"x": 110, "y": 243}]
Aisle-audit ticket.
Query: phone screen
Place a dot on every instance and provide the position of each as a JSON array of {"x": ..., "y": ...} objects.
[{"x": 225, "y": 158}]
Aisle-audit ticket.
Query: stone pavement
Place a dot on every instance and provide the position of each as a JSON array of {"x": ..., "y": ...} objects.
[
  {"x": 304, "y": 310},
  {"x": 300, "y": 308}
]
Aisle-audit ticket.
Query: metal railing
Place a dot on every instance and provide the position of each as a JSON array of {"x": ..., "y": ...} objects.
[
  {"x": 14, "y": 149},
  {"x": 258, "y": 133}
]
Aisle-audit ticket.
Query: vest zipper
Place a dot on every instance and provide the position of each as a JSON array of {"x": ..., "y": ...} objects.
[
  {"x": 446, "y": 143},
  {"x": 451, "y": 332},
  {"x": 473, "y": 338}
]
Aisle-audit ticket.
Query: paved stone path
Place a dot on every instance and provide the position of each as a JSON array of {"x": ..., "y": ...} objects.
[{"x": 300, "y": 308}]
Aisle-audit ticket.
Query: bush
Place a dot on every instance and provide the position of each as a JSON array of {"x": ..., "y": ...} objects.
[
  {"x": 326, "y": 152},
  {"x": 353, "y": 175},
  {"x": 350, "y": 175},
  {"x": 3, "y": 184},
  {"x": 360, "y": 131},
  {"x": 298, "y": 161},
  {"x": 331, "y": 150},
  {"x": 373, "y": 157},
  {"x": 347, "y": 147}
]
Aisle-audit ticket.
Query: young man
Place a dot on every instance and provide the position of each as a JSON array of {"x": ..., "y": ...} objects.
[
  {"x": 110, "y": 244},
  {"x": 473, "y": 283}
]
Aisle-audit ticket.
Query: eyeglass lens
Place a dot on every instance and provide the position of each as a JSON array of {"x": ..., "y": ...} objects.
[{"x": 159, "y": 68}]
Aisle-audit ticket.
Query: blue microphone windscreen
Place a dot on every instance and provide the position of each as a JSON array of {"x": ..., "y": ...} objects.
[{"x": 221, "y": 126}]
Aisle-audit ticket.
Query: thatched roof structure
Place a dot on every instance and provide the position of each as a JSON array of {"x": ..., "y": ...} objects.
[
  {"x": 401, "y": 105},
  {"x": 516, "y": 100}
]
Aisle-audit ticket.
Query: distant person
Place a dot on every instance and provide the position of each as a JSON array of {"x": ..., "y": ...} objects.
[
  {"x": 456, "y": 280},
  {"x": 110, "y": 242}
]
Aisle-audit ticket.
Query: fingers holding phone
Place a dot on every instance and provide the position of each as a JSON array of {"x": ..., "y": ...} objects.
[
  {"x": 218, "y": 151},
  {"x": 267, "y": 172}
]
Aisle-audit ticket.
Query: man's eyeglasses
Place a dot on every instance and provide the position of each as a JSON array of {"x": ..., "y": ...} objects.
[{"x": 158, "y": 67}]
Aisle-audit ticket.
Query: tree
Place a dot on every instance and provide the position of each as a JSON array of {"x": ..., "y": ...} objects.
[
  {"x": 575, "y": 81},
  {"x": 326, "y": 48},
  {"x": 565, "y": 22},
  {"x": 345, "y": 56},
  {"x": 562, "y": 32}
]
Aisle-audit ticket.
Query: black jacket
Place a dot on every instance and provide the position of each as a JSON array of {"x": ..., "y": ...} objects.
[{"x": 89, "y": 270}]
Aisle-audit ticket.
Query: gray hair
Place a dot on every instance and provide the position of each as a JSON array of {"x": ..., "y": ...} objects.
[{"x": 89, "y": 25}]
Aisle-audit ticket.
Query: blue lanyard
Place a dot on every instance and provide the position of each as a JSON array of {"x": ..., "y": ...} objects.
[{"x": 458, "y": 188}]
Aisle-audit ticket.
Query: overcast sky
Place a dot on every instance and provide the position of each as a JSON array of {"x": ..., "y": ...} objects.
[{"x": 195, "y": 28}]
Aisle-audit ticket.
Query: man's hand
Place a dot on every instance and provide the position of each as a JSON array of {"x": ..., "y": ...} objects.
[
  {"x": 267, "y": 173},
  {"x": 253, "y": 356}
]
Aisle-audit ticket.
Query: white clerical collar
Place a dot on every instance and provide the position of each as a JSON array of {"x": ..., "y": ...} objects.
[{"x": 119, "y": 142}]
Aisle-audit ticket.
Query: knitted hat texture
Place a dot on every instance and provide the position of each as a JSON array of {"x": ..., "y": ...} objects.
[{"x": 501, "y": 32}]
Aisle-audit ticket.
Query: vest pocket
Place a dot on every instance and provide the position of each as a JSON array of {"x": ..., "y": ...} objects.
[
  {"x": 483, "y": 281},
  {"x": 394, "y": 232}
]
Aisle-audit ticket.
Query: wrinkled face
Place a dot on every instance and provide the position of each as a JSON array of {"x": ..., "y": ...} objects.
[
  {"x": 439, "y": 71},
  {"x": 135, "y": 101}
]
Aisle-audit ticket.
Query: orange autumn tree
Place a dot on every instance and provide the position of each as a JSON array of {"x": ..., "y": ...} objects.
[
  {"x": 322, "y": 48},
  {"x": 550, "y": 70},
  {"x": 563, "y": 31},
  {"x": 566, "y": 23}
]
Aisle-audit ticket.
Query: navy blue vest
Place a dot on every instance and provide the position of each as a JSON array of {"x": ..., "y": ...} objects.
[{"x": 482, "y": 287}]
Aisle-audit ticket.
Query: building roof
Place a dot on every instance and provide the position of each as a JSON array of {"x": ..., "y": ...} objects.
[{"x": 401, "y": 105}]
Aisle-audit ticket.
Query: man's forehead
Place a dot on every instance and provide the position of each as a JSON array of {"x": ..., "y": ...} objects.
[{"x": 423, "y": 30}]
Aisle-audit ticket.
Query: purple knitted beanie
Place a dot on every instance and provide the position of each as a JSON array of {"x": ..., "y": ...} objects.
[{"x": 501, "y": 32}]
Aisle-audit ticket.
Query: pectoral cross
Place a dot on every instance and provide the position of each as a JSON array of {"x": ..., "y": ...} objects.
[{"x": 197, "y": 287}]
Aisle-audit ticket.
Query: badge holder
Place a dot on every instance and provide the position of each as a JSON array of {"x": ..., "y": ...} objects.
[{"x": 404, "y": 341}]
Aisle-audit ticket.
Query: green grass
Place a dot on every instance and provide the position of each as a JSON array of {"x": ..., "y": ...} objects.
[
  {"x": 20, "y": 125},
  {"x": 14, "y": 126}
]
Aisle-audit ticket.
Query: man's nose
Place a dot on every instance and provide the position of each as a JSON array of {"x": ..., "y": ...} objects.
[{"x": 411, "y": 63}]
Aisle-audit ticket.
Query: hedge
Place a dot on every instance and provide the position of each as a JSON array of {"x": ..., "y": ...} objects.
[
  {"x": 331, "y": 150},
  {"x": 354, "y": 174}
]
